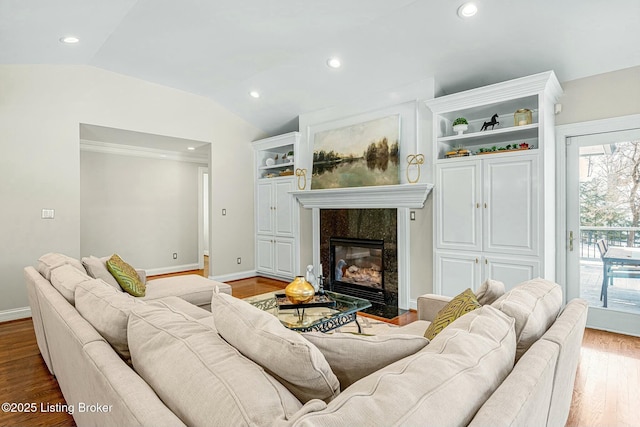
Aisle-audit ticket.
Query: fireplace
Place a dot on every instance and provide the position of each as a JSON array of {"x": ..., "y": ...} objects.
[{"x": 357, "y": 268}]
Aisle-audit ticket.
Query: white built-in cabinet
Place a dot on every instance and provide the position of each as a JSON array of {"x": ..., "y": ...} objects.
[
  {"x": 494, "y": 204},
  {"x": 276, "y": 210}
]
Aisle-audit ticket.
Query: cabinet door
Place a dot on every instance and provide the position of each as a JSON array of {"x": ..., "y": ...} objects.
[
  {"x": 284, "y": 204},
  {"x": 458, "y": 224},
  {"x": 264, "y": 254},
  {"x": 510, "y": 270},
  {"x": 456, "y": 271},
  {"x": 510, "y": 205},
  {"x": 284, "y": 257},
  {"x": 264, "y": 208}
]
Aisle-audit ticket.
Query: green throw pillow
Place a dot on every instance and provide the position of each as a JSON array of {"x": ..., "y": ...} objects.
[
  {"x": 126, "y": 276},
  {"x": 458, "y": 306}
]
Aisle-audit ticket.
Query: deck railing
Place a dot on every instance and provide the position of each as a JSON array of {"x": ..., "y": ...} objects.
[{"x": 614, "y": 236}]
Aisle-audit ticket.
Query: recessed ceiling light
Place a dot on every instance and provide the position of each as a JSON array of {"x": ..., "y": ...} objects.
[
  {"x": 467, "y": 10},
  {"x": 334, "y": 63},
  {"x": 69, "y": 39},
  {"x": 254, "y": 94},
  {"x": 191, "y": 148}
]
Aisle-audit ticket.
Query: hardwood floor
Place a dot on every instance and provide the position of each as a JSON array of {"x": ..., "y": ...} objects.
[{"x": 606, "y": 389}]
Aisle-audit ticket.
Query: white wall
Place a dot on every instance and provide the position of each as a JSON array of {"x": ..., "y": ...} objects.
[
  {"x": 41, "y": 107},
  {"x": 144, "y": 209}
]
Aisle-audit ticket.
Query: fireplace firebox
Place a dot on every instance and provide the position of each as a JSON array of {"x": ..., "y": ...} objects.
[{"x": 357, "y": 268}]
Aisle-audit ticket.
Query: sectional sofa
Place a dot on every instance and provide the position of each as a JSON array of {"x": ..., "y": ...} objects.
[{"x": 168, "y": 361}]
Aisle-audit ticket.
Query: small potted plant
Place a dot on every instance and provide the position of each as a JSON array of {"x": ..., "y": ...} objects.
[
  {"x": 460, "y": 125},
  {"x": 290, "y": 156}
]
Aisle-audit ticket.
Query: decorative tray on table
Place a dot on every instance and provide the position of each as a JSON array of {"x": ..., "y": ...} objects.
[{"x": 317, "y": 301}]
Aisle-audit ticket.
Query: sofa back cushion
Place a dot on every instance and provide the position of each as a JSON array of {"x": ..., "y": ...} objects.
[
  {"x": 490, "y": 291},
  {"x": 534, "y": 305},
  {"x": 107, "y": 310},
  {"x": 66, "y": 278},
  {"x": 199, "y": 376},
  {"x": 352, "y": 357},
  {"x": 260, "y": 336},
  {"x": 444, "y": 384},
  {"x": 97, "y": 268},
  {"x": 48, "y": 262}
]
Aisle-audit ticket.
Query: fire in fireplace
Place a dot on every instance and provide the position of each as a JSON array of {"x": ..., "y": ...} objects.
[{"x": 357, "y": 268}]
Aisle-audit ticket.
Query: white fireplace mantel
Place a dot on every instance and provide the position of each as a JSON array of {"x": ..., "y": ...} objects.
[
  {"x": 402, "y": 197},
  {"x": 380, "y": 196}
]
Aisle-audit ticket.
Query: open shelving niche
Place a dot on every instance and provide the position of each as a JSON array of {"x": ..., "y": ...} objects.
[
  {"x": 506, "y": 133},
  {"x": 279, "y": 166}
]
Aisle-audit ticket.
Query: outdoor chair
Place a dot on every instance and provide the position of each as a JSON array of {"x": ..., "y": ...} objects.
[{"x": 615, "y": 270}]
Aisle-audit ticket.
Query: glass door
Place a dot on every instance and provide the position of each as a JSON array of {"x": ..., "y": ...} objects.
[{"x": 603, "y": 223}]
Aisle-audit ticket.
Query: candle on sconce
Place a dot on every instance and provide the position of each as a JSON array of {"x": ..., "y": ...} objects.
[{"x": 319, "y": 269}]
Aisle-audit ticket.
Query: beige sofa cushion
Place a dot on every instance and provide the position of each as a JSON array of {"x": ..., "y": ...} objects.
[
  {"x": 191, "y": 287},
  {"x": 490, "y": 291},
  {"x": 352, "y": 357},
  {"x": 49, "y": 262},
  {"x": 97, "y": 268},
  {"x": 107, "y": 310},
  {"x": 66, "y": 278},
  {"x": 535, "y": 305},
  {"x": 199, "y": 376},
  {"x": 261, "y": 337},
  {"x": 444, "y": 384}
]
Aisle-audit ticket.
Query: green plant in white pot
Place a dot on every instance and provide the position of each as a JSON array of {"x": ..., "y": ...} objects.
[{"x": 460, "y": 125}]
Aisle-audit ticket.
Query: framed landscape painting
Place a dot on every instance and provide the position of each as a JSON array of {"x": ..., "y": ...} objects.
[{"x": 358, "y": 155}]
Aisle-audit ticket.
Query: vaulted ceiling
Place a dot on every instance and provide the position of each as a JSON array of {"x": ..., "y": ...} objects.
[{"x": 223, "y": 49}]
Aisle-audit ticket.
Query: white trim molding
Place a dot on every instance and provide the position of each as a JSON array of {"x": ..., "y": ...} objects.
[
  {"x": 380, "y": 196},
  {"x": 150, "y": 153},
  {"x": 15, "y": 314}
]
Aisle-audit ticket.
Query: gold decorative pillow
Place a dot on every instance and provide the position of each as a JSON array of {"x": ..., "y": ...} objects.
[
  {"x": 126, "y": 276},
  {"x": 461, "y": 304}
]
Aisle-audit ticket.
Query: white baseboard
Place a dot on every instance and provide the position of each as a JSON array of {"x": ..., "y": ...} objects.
[
  {"x": 172, "y": 269},
  {"x": 234, "y": 276},
  {"x": 15, "y": 314}
]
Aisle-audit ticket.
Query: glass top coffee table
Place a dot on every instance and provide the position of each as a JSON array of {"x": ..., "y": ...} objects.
[{"x": 313, "y": 319}]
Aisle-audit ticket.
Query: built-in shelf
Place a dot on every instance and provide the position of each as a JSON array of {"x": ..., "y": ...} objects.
[
  {"x": 495, "y": 136},
  {"x": 380, "y": 196},
  {"x": 276, "y": 166}
]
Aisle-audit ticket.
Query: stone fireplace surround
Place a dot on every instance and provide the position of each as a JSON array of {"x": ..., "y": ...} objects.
[{"x": 402, "y": 198}]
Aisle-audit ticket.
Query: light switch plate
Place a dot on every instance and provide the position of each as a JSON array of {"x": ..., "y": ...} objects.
[{"x": 48, "y": 213}]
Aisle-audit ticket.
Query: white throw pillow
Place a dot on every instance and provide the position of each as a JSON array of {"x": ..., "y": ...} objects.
[
  {"x": 489, "y": 291},
  {"x": 260, "y": 336},
  {"x": 352, "y": 357},
  {"x": 97, "y": 268}
]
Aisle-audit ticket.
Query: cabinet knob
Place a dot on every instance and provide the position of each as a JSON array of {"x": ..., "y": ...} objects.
[
  {"x": 476, "y": 260},
  {"x": 485, "y": 206},
  {"x": 486, "y": 261},
  {"x": 477, "y": 205}
]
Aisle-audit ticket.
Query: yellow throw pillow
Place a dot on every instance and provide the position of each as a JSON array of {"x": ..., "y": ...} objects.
[
  {"x": 461, "y": 304},
  {"x": 126, "y": 276}
]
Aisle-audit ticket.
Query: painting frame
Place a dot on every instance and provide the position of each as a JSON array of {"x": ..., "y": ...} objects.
[{"x": 358, "y": 154}]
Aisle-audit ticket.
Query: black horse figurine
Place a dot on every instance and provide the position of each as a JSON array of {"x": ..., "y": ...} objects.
[{"x": 492, "y": 123}]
